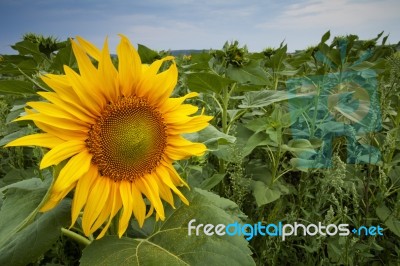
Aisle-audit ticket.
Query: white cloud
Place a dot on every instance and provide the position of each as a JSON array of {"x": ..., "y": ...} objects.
[
  {"x": 191, "y": 24},
  {"x": 313, "y": 14}
]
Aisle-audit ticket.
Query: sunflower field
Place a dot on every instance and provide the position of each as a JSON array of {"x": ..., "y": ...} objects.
[{"x": 213, "y": 157}]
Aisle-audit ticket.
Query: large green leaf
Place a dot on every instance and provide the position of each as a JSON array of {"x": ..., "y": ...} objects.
[
  {"x": 171, "y": 244},
  {"x": 16, "y": 87},
  {"x": 277, "y": 59},
  {"x": 263, "y": 193},
  {"x": 301, "y": 148},
  {"x": 251, "y": 73},
  {"x": 65, "y": 56},
  {"x": 211, "y": 182},
  {"x": 211, "y": 137},
  {"x": 20, "y": 204},
  {"x": 15, "y": 65},
  {"x": 389, "y": 219},
  {"x": 199, "y": 62},
  {"x": 17, "y": 134},
  {"x": 147, "y": 55},
  {"x": 30, "y": 243},
  {"x": 247, "y": 140},
  {"x": 26, "y": 47},
  {"x": 256, "y": 99},
  {"x": 206, "y": 82},
  {"x": 29, "y": 48}
]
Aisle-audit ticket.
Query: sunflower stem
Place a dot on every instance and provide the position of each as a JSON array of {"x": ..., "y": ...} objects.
[
  {"x": 77, "y": 237},
  {"x": 224, "y": 121}
]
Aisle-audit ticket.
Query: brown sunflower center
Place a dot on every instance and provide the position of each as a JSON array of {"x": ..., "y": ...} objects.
[{"x": 128, "y": 140}]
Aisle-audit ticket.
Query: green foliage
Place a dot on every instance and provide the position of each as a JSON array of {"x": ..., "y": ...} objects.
[
  {"x": 157, "y": 247},
  {"x": 37, "y": 237},
  {"x": 257, "y": 168}
]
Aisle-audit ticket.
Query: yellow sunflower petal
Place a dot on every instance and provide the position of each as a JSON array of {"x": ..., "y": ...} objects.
[
  {"x": 180, "y": 148},
  {"x": 55, "y": 199},
  {"x": 86, "y": 67},
  {"x": 139, "y": 207},
  {"x": 161, "y": 86},
  {"x": 165, "y": 192},
  {"x": 127, "y": 202},
  {"x": 95, "y": 203},
  {"x": 52, "y": 110},
  {"x": 61, "y": 123},
  {"x": 86, "y": 92},
  {"x": 104, "y": 214},
  {"x": 62, "y": 133},
  {"x": 155, "y": 66},
  {"x": 82, "y": 191},
  {"x": 150, "y": 188},
  {"x": 175, "y": 177},
  {"x": 129, "y": 66},
  {"x": 115, "y": 203},
  {"x": 149, "y": 213},
  {"x": 62, "y": 152},
  {"x": 119, "y": 132},
  {"x": 112, "y": 205},
  {"x": 109, "y": 75},
  {"x": 60, "y": 84},
  {"x": 148, "y": 87},
  {"x": 76, "y": 167},
  {"x": 196, "y": 123},
  {"x": 173, "y": 103},
  {"x": 163, "y": 175},
  {"x": 76, "y": 110},
  {"x": 42, "y": 139},
  {"x": 92, "y": 50}
]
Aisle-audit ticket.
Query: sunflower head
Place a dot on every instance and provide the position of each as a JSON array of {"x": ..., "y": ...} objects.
[{"x": 118, "y": 131}]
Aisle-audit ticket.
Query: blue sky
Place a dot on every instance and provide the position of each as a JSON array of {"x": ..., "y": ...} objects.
[{"x": 195, "y": 24}]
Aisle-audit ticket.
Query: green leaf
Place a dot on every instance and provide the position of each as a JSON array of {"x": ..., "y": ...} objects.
[
  {"x": 20, "y": 205},
  {"x": 305, "y": 165},
  {"x": 199, "y": 62},
  {"x": 301, "y": 148},
  {"x": 17, "y": 175},
  {"x": 251, "y": 73},
  {"x": 256, "y": 99},
  {"x": 211, "y": 182},
  {"x": 16, "y": 64},
  {"x": 258, "y": 124},
  {"x": 247, "y": 140},
  {"x": 206, "y": 82},
  {"x": 263, "y": 193},
  {"x": 326, "y": 36},
  {"x": 211, "y": 137},
  {"x": 30, "y": 243},
  {"x": 256, "y": 140},
  {"x": 171, "y": 244},
  {"x": 258, "y": 171},
  {"x": 277, "y": 60},
  {"x": 65, "y": 56},
  {"x": 147, "y": 55},
  {"x": 16, "y": 87},
  {"x": 388, "y": 218},
  {"x": 335, "y": 57},
  {"x": 10, "y": 137},
  {"x": 29, "y": 48},
  {"x": 26, "y": 48},
  {"x": 288, "y": 72}
]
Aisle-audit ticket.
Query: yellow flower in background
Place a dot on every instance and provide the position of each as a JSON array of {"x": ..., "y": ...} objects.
[{"x": 120, "y": 133}]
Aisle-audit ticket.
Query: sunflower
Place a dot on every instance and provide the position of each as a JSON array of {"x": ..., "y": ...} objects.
[{"x": 118, "y": 131}]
